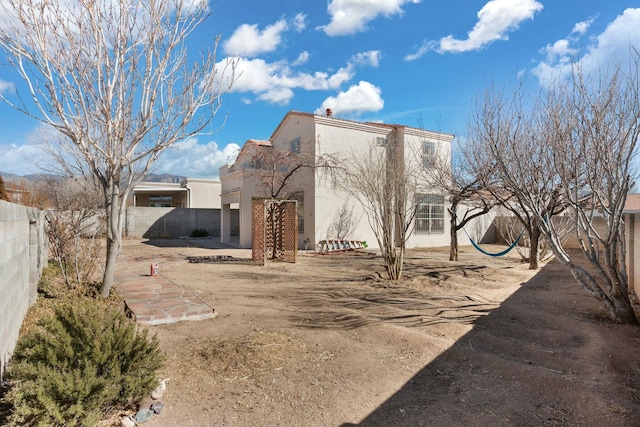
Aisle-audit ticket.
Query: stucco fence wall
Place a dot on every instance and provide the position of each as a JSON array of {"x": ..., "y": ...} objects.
[
  {"x": 23, "y": 255},
  {"x": 152, "y": 222}
]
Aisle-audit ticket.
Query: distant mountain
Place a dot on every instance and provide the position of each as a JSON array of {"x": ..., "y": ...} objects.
[{"x": 164, "y": 177}]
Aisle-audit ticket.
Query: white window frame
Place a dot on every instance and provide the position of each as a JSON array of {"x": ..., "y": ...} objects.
[
  {"x": 429, "y": 218},
  {"x": 429, "y": 154}
]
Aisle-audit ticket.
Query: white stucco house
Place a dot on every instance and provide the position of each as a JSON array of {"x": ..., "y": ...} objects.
[{"x": 314, "y": 135}]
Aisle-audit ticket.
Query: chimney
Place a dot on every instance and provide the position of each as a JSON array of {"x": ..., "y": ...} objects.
[{"x": 329, "y": 112}]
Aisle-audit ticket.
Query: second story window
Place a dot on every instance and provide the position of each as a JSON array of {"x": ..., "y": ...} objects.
[
  {"x": 295, "y": 145},
  {"x": 429, "y": 154}
]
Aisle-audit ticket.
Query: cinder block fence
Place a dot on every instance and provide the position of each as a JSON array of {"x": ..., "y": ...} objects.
[{"x": 23, "y": 254}]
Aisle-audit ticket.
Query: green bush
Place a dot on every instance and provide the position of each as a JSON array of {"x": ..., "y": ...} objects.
[
  {"x": 199, "y": 232},
  {"x": 83, "y": 363}
]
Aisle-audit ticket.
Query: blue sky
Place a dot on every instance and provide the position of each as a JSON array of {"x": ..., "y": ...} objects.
[{"x": 412, "y": 62}]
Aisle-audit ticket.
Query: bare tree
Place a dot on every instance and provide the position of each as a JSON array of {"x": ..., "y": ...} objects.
[
  {"x": 74, "y": 224},
  {"x": 504, "y": 136},
  {"x": 463, "y": 188},
  {"x": 280, "y": 171},
  {"x": 582, "y": 139},
  {"x": 343, "y": 224},
  {"x": 385, "y": 185},
  {"x": 115, "y": 79}
]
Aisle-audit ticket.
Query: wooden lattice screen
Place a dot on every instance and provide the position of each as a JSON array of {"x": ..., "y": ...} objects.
[{"x": 274, "y": 230}]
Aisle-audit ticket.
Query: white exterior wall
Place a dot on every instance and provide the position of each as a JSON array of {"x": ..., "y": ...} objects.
[
  {"x": 204, "y": 193},
  {"x": 303, "y": 127},
  {"x": 412, "y": 139},
  {"x": 342, "y": 139}
]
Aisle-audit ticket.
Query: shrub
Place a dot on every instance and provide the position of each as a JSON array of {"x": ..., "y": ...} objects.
[
  {"x": 199, "y": 232},
  {"x": 81, "y": 364}
]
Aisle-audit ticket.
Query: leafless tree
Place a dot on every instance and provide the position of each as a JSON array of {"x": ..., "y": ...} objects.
[
  {"x": 74, "y": 225},
  {"x": 581, "y": 145},
  {"x": 281, "y": 170},
  {"x": 455, "y": 177},
  {"x": 385, "y": 185},
  {"x": 115, "y": 79},
  {"x": 504, "y": 136},
  {"x": 343, "y": 224}
]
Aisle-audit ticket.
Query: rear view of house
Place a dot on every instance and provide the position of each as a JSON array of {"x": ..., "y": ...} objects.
[{"x": 290, "y": 165}]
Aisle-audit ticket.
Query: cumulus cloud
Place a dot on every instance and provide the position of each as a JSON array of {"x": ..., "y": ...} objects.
[
  {"x": 21, "y": 159},
  {"x": 495, "y": 20},
  {"x": 352, "y": 16},
  {"x": 361, "y": 98},
  {"x": 275, "y": 82},
  {"x": 248, "y": 40},
  {"x": 195, "y": 160},
  {"x": 611, "y": 47}
]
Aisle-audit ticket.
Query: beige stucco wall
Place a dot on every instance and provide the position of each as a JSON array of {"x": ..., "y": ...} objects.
[{"x": 204, "y": 193}]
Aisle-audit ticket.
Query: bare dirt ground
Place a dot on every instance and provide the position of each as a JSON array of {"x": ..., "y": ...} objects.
[{"x": 326, "y": 342}]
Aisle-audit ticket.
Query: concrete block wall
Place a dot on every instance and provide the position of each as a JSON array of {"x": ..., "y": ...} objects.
[
  {"x": 174, "y": 222},
  {"x": 23, "y": 254}
]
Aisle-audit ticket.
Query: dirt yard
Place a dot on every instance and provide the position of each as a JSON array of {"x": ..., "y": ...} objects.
[{"x": 327, "y": 342}]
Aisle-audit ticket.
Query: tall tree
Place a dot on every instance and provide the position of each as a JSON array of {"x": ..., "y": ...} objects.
[
  {"x": 385, "y": 185},
  {"x": 463, "y": 187},
  {"x": 574, "y": 150},
  {"x": 115, "y": 79}
]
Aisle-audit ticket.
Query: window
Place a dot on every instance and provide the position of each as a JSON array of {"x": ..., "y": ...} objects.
[
  {"x": 299, "y": 196},
  {"x": 429, "y": 154},
  {"x": 295, "y": 145},
  {"x": 429, "y": 214},
  {"x": 381, "y": 141},
  {"x": 160, "y": 201}
]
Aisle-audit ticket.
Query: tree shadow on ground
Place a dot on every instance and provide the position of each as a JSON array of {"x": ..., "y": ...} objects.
[{"x": 546, "y": 356}]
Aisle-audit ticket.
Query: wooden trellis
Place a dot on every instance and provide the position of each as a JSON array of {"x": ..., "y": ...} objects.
[{"x": 274, "y": 230}]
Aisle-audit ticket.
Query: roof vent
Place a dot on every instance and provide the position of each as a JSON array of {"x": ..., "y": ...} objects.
[{"x": 329, "y": 112}]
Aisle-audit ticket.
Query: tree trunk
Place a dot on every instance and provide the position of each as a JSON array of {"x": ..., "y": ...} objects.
[
  {"x": 453, "y": 245},
  {"x": 535, "y": 245},
  {"x": 115, "y": 210},
  {"x": 113, "y": 251},
  {"x": 622, "y": 309}
]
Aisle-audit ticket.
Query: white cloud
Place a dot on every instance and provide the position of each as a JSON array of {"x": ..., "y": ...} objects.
[
  {"x": 371, "y": 58},
  {"x": 274, "y": 82},
  {"x": 7, "y": 87},
  {"x": 495, "y": 20},
  {"x": 301, "y": 59},
  {"x": 299, "y": 22},
  {"x": 582, "y": 27},
  {"x": 364, "y": 97},
  {"x": 611, "y": 47},
  {"x": 195, "y": 160},
  {"x": 352, "y": 16},
  {"x": 21, "y": 159},
  {"x": 248, "y": 41}
]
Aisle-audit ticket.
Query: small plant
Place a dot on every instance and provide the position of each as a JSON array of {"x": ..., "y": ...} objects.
[
  {"x": 81, "y": 364},
  {"x": 199, "y": 232}
]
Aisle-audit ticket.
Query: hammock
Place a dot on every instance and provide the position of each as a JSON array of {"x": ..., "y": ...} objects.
[{"x": 495, "y": 254}]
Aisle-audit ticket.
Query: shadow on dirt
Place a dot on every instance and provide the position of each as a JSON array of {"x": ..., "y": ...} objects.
[{"x": 546, "y": 356}]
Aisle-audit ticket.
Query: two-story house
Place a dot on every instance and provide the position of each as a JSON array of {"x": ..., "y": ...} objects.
[{"x": 299, "y": 142}]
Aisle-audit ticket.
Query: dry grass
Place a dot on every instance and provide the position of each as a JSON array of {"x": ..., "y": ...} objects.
[{"x": 252, "y": 355}]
